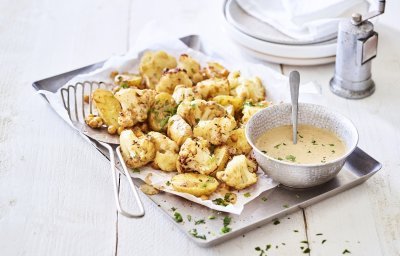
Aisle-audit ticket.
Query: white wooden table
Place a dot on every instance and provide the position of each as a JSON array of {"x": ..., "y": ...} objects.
[{"x": 55, "y": 190}]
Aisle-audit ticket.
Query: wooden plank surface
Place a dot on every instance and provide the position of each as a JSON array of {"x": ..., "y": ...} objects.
[{"x": 56, "y": 192}]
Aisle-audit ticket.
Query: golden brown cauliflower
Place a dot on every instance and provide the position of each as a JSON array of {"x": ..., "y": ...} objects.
[
  {"x": 196, "y": 110},
  {"x": 171, "y": 78},
  {"x": 250, "y": 89},
  {"x": 215, "y": 70},
  {"x": 239, "y": 172},
  {"x": 166, "y": 152},
  {"x": 217, "y": 130},
  {"x": 233, "y": 79},
  {"x": 152, "y": 65},
  {"x": 182, "y": 93},
  {"x": 212, "y": 87},
  {"x": 249, "y": 109},
  {"x": 195, "y": 156},
  {"x": 136, "y": 151},
  {"x": 191, "y": 66},
  {"x": 135, "y": 105},
  {"x": 163, "y": 108},
  {"x": 178, "y": 130},
  {"x": 237, "y": 142}
]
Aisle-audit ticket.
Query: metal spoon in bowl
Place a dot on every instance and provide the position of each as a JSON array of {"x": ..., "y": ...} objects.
[{"x": 294, "y": 81}]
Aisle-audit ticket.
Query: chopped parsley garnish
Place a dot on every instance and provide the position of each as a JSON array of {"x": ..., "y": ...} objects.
[
  {"x": 198, "y": 222},
  {"x": 319, "y": 234},
  {"x": 290, "y": 158},
  {"x": 225, "y": 228},
  {"x": 307, "y": 250},
  {"x": 285, "y": 206},
  {"x": 173, "y": 209},
  {"x": 314, "y": 142},
  {"x": 332, "y": 145},
  {"x": 264, "y": 198},
  {"x": 194, "y": 233},
  {"x": 257, "y": 248},
  {"x": 189, "y": 217},
  {"x": 125, "y": 86},
  {"x": 346, "y": 251},
  {"x": 296, "y": 231},
  {"x": 333, "y": 151},
  {"x": 211, "y": 217},
  {"x": 309, "y": 151},
  {"x": 247, "y": 194},
  {"x": 301, "y": 136},
  {"x": 265, "y": 152},
  {"x": 178, "y": 217},
  {"x": 304, "y": 242},
  {"x": 277, "y": 146},
  {"x": 323, "y": 241},
  {"x": 279, "y": 158},
  {"x": 136, "y": 170},
  {"x": 284, "y": 144},
  {"x": 276, "y": 222},
  {"x": 167, "y": 183},
  {"x": 268, "y": 247},
  {"x": 227, "y": 197},
  {"x": 220, "y": 201}
]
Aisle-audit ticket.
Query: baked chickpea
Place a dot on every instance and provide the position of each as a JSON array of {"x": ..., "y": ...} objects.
[
  {"x": 94, "y": 121},
  {"x": 120, "y": 129},
  {"x": 86, "y": 98},
  {"x": 112, "y": 129}
]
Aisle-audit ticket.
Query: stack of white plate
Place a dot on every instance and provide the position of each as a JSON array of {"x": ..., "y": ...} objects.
[{"x": 260, "y": 40}]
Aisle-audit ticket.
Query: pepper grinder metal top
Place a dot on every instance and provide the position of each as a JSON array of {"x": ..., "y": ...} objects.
[{"x": 356, "y": 46}]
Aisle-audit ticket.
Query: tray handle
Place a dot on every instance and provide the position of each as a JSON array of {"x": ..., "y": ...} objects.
[{"x": 141, "y": 212}]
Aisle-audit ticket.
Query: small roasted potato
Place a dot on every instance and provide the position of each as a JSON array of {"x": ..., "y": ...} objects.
[
  {"x": 163, "y": 108},
  {"x": 181, "y": 93},
  {"x": 126, "y": 80},
  {"x": 215, "y": 70},
  {"x": 237, "y": 142},
  {"x": 171, "y": 78},
  {"x": 249, "y": 109},
  {"x": 194, "y": 183},
  {"x": 195, "y": 156},
  {"x": 191, "y": 66},
  {"x": 217, "y": 130},
  {"x": 196, "y": 110},
  {"x": 239, "y": 172},
  {"x": 107, "y": 106},
  {"x": 166, "y": 152},
  {"x": 135, "y": 105},
  {"x": 152, "y": 65},
  {"x": 136, "y": 151},
  {"x": 212, "y": 87},
  {"x": 225, "y": 100},
  {"x": 178, "y": 130},
  {"x": 222, "y": 155},
  {"x": 250, "y": 89}
]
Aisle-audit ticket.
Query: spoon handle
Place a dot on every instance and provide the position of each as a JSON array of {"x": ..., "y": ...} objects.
[{"x": 294, "y": 81}]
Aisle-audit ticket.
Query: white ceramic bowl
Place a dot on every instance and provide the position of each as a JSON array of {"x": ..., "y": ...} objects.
[{"x": 301, "y": 175}]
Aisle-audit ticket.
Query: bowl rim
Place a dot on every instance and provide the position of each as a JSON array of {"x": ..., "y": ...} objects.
[{"x": 330, "y": 111}]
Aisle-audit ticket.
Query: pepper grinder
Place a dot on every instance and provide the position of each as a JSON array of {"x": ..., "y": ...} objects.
[{"x": 357, "y": 44}]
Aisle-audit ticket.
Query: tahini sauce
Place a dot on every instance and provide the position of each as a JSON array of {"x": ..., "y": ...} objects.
[{"x": 314, "y": 145}]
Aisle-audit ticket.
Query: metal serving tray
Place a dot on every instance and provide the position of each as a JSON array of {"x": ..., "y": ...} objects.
[{"x": 280, "y": 201}]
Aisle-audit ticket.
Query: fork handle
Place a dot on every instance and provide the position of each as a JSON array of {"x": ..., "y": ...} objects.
[{"x": 141, "y": 212}]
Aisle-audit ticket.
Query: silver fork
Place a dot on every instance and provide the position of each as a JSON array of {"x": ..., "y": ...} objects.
[{"x": 73, "y": 99}]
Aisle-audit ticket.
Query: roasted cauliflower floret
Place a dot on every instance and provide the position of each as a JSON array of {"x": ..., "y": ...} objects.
[
  {"x": 182, "y": 93},
  {"x": 250, "y": 89},
  {"x": 222, "y": 155},
  {"x": 178, "y": 130},
  {"x": 152, "y": 65},
  {"x": 195, "y": 156},
  {"x": 212, "y": 87},
  {"x": 249, "y": 109},
  {"x": 191, "y": 66},
  {"x": 215, "y": 70},
  {"x": 233, "y": 79},
  {"x": 126, "y": 80},
  {"x": 135, "y": 105},
  {"x": 163, "y": 108},
  {"x": 217, "y": 130},
  {"x": 171, "y": 78},
  {"x": 136, "y": 151},
  {"x": 166, "y": 152},
  {"x": 196, "y": 110},
  {"x": 237, "y": 142},
  {"x": 239, "y": 172}
]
